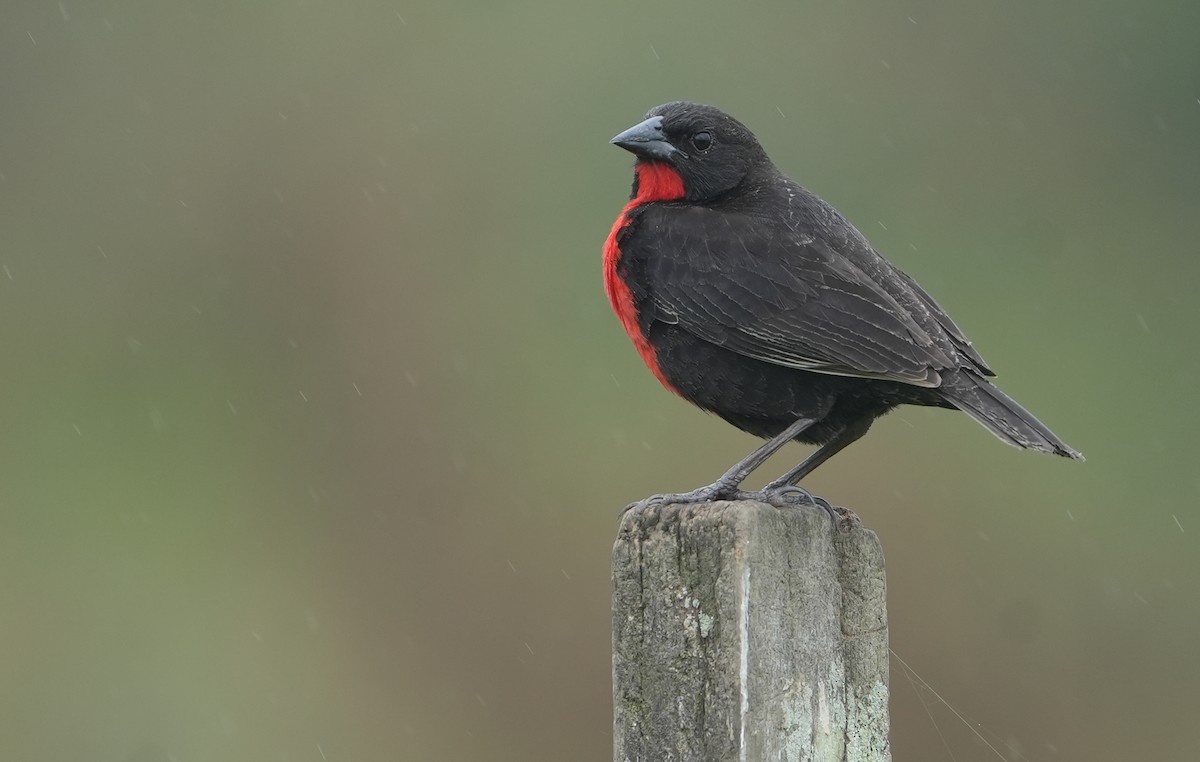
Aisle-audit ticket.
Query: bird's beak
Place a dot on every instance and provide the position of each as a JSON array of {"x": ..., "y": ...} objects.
[{"x": 646, "y": 140}]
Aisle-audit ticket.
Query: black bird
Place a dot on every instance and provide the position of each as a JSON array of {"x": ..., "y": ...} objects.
[{"x": 750, "y": 297}]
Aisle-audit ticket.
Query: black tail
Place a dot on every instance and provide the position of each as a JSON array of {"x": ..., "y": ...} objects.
[{"x": 1002, "y": 415}]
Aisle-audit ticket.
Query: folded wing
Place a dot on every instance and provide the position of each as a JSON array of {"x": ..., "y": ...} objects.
[{"x": 787, "y": 297}]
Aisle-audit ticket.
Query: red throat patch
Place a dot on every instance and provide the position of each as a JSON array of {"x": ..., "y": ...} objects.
[{"x": 656, "y": 182}]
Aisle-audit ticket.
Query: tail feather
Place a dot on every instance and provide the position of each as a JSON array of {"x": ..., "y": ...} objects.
[{"x": 1002, "y": 415}]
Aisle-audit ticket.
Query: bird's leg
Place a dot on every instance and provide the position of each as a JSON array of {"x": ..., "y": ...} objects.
[
  {"x": 727, "y": 485},
  {"x": 787, "y": 488},
  {"x": 849, "y": 434}
]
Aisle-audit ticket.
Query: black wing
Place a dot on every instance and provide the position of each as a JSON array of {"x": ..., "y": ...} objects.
[
  {"x": 785, "y": 296},
  {"x": 961, "y": 343}
]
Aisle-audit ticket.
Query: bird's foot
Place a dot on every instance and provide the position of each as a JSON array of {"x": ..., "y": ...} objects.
[
  {"x": 789, "y": 496},
  {"x": 716, "y": 491}
]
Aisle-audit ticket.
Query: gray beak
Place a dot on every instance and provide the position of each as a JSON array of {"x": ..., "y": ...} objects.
[{"x": 646, "y": 140}]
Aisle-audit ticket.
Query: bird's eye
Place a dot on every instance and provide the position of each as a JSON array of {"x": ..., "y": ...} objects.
[{"x": 702, "y": 140}]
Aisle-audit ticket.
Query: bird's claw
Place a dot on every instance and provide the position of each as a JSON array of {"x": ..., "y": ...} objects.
[
  {"x": 715, "y": 491},
  {"x": 781, "y": 496},
  {"x": 789, "y": 496}
]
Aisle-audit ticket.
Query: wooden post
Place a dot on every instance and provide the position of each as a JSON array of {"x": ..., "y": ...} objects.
[{"x": 747, "y": 632}]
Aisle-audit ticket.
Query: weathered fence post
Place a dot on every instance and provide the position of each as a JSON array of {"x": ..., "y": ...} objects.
[{"x": 747, "y": 632}]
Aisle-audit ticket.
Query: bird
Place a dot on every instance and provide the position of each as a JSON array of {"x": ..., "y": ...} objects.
[{"x": 753, "y": 299}]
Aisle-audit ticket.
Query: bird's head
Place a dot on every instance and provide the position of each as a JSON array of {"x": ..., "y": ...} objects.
[{"x": 710, "y": 151}]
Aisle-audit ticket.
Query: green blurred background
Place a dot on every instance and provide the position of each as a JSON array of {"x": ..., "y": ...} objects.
[{"x": 315, "y": 421}]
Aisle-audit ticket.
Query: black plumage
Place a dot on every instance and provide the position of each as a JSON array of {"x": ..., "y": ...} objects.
[{"x": 762, "y": 304}]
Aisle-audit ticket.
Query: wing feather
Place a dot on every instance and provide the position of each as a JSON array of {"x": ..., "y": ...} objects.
[{"x": 785, "y": 297}]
